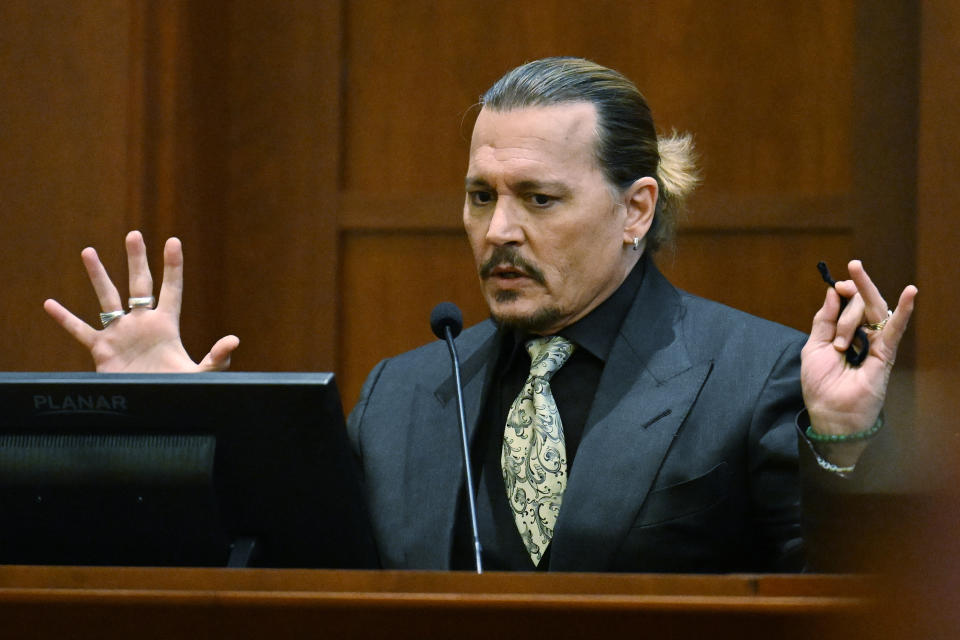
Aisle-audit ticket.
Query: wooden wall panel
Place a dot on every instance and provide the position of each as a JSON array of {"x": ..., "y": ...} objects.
[
  {"x": 938, "y": 224},
  {"x": 279, "y": 235},
  {"x": 934, "y": 434},
  {"x": 181, "y": 86},
  {"x": 884, "y": 143},
  {"x": 390, "y": 282},
  {"x": 720, "y": 70},
  {"x": 215, "y": 121},
  {"x": 769, "y": 274},
  {"x": 240, "y": 146},
  {"x": 64, "y": 69}
]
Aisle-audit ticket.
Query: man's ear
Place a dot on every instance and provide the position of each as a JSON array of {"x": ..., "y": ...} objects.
[{"x": 640, "y": 200}]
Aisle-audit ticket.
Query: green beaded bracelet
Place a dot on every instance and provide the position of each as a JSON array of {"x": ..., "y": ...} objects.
[{"x": 849, "y": 437}]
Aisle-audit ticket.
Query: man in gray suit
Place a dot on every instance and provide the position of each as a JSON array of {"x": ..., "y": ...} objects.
[{"x": 616, "y": 422}]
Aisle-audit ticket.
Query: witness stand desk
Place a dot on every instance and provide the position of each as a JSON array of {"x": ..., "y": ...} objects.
[{"x": 140, "y": 603}]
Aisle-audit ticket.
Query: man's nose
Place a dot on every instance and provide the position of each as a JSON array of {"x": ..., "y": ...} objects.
[{"x": 505, "y": 225}]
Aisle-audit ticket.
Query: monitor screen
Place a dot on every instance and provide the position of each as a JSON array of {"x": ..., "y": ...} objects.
[{"x": 213, "y": 469}]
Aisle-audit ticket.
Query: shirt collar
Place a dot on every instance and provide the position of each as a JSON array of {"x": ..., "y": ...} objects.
[{"x": 597, "y": 331}]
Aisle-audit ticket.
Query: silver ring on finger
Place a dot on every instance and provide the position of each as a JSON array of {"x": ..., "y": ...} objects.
[
  {"x": 878, "y": 326},
  {"x": 109, "y": 316},
  {"x": 142, "y": 302}
]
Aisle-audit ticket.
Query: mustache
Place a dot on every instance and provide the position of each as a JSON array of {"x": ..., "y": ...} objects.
[{"x": 507, "y": 255}]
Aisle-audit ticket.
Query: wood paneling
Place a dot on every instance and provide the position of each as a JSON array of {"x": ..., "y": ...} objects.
[
  {"x": 106, "y": 603},
  {"x": 390, "y": 283},
  {"x": 64, "y": 127},
  {"x": 884, "y": 151},
  {"x": 279, "y": 237},
  {"x": 241, "y": 160},
  {"x": 769, "y": 274},
  {"x": 935, "y": 433},
  {"x": 766, "y": 87},
  {"x": 218, "y": 122},
  {"x": 938, "y": 224},
  {"x": 181, "y": 91}
]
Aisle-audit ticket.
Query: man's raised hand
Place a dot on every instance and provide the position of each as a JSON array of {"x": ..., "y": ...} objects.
[
  {"x": 843, "y": 399},
  {"x": 144, "y": 340}
]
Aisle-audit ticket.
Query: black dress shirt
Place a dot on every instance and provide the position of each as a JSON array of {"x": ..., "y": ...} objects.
[{"x": 574, "y": 386}]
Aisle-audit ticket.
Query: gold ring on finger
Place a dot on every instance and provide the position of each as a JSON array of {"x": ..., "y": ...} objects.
[{"x": 878, "y": 326}]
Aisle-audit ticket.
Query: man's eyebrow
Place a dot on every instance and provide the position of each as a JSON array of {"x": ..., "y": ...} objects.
[
  {"x": 475, "y": 182},
  {"x": 526, "y": 186}
]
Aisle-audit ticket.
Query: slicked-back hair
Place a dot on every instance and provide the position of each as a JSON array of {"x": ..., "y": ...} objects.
[{"x": 627, "y": 147}]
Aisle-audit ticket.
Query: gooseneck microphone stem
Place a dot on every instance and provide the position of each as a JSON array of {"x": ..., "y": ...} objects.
[
  {"x": 448, "y": 334},
  {"x": 446, "y": 322}
]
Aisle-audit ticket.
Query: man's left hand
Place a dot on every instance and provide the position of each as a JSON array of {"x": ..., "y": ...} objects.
[{"x": 843, "y": 399}]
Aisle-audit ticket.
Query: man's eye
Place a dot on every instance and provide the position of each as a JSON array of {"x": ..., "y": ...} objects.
[
  {"x": 541, "y": 200},
  {"x": 480, "y": 197}
]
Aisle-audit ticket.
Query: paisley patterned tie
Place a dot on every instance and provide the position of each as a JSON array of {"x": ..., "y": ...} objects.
[{"x": 534, "y": 457}]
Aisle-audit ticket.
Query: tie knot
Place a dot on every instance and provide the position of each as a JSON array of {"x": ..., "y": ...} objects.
[{"x": 548, "y": 354}]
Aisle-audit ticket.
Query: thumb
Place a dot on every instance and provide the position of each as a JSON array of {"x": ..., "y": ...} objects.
[{"x": 219, "y": 357}]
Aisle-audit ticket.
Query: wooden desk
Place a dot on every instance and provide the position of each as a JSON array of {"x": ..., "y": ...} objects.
[{"x": 110, "y": 602}]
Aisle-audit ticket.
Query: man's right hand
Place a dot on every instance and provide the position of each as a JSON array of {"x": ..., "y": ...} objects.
[{"x": 144, "y": 340}]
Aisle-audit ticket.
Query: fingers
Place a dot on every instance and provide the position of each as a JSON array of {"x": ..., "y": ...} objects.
[
  {"x": 864, "y": 305},
  {"x": 84, "y": 333},
  {"x": 141, "y": 282},
  {"x": 824, "y": 327},
  {"x": 850, "y": 319},
  {"x": 107, "y": 293},
  {"x": 875, "y": 307},
  {"x": 219, "y": 357},
  {"x": 897, "y": 324},
  {"x": 171, "y": 290}
]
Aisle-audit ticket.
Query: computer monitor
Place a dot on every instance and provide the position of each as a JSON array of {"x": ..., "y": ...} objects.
[{"x": 212, "y": 469}]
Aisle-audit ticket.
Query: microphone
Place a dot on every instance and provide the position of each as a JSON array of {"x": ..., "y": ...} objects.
[
  {"x": 446, "y": 321},
  {"x": 446, "y": 315}
]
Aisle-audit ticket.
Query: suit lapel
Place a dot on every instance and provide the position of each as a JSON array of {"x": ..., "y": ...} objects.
[
  {"x": 434, "y": 472},
  {"x": 647, "y": 388}
]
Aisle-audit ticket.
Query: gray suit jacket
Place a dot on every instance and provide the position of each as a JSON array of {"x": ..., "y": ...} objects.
[{"x": 689, "y": 462}]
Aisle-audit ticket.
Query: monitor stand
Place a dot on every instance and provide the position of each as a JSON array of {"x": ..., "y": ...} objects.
[{"x": 241, "y": 553}]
